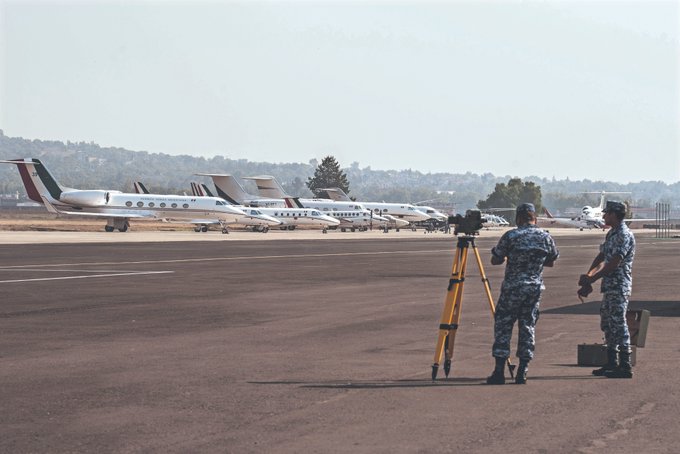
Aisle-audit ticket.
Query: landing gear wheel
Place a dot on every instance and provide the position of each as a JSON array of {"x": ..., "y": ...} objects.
[
  {"x": 225, "y": 231},
  {"x": 108, "y": 228},
  {"x": 204, "y": 228}
]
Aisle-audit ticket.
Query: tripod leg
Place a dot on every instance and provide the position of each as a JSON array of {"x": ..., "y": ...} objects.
[
  {"x": 492, "y": 306},
  {"x": 447, "y": 313},
  {"x": 457, "y": 306}
]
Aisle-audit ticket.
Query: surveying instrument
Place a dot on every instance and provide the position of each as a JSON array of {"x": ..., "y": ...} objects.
[{"x": 469, "y": 225}]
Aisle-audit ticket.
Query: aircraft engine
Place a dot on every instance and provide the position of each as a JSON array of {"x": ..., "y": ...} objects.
[{"x": 86, "y": 198}]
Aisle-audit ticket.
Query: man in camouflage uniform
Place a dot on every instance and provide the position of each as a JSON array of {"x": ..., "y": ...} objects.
[
  {"x": 614, "y": 265},
  {"x": 527, "y": 249}
]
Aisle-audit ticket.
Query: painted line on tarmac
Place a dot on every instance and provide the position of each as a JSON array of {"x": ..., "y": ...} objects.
[
  {"x": 271, "y": 257},
  {"x": 136, "y": 273},
  {"x": 244, "y": 257}
]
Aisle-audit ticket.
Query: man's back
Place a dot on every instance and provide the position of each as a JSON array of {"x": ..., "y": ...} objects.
[{"x": 526, "y": 248}]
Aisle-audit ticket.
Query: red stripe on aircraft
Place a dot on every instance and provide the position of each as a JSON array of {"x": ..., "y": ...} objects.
[{"x": 31, "y": 190}]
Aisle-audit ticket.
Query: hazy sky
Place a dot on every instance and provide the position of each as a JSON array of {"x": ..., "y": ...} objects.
[{"x": 578, "y": 89}]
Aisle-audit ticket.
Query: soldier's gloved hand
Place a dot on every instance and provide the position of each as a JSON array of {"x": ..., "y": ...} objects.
[
  {"x": 584, "y": 291},
  {"x": 584, "y": 280}
]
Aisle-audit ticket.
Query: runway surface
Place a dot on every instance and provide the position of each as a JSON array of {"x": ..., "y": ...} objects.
[{"x": 313, "y": 346}]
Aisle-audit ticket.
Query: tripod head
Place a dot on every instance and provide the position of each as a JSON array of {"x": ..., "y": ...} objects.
[{"x": 469, "y": 225}]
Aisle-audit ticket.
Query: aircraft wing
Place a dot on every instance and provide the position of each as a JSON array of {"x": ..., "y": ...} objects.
[
  {"x": 52, "y": 209},
  {"x": 568, "y": 222},
  {"x": 191, "y": 221},
  {"x": 104, "y": 215}
]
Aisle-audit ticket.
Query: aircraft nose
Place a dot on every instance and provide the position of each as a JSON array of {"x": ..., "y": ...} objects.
[
  {"x": 272, "y": 220},
  {"x": 234, "y": 210}
]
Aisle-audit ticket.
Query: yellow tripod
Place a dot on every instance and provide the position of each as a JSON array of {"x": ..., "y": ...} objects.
[{"x": 448, "y": 325}]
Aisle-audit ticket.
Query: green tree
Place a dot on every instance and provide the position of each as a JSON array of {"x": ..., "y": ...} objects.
[
  {"x": 328, "y": 175},
  {"x": 512, "y": 194}
]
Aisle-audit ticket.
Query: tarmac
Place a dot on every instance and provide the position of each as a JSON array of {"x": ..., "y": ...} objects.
[{"x": 188, "y": 342}]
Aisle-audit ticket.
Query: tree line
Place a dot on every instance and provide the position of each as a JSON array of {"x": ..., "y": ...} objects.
[{"x": 87, "y": 165}]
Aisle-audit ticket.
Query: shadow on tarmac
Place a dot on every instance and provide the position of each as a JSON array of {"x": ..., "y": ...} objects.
[
  {"x": 656, "y": 308},
  {"x": 424, "y": 383}
]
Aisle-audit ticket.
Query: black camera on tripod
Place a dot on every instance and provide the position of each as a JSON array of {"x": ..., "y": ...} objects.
[{"x": 470, "y": 224}]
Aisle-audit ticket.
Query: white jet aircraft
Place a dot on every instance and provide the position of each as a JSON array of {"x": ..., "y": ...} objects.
[
  {"x": 290, "y": 218},
  {"x": 118, "y": 207},
  {"x": 269, "y": 187},
  {"x": 351, "y": 215},
  {"x": 255, "y": 219},
  {"x": 432, "y": 212},
  {"x": 589, "y": 217},
  {"x": 580, "y": 222},
  {"x": 405, "y": 211}
]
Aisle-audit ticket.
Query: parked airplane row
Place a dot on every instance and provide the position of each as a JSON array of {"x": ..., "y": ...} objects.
[
  {"x": 351, "y": 215},
  {"x": 232, "y": 205}
]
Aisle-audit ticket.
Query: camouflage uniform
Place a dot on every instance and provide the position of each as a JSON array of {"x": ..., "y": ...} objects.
[
  {"x": 527, "y": 248},
  {"x": 617, "y": 286}
]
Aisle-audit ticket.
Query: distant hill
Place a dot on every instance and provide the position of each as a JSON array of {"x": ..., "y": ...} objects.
[{"x": 87, "y": 165}]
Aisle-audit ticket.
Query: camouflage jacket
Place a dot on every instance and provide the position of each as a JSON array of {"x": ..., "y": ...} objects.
[
  {"x": 619, "y": 242},
  {"x": 527, "y": 248}
]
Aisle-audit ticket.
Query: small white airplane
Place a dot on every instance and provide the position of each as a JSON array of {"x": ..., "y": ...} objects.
[
  {"x": 352, "y": 215},
  {"x": 580, "y": 222},
  {"x": 119, "y": 207},
  {"x": 405, "y": 211},
  {"x": 289, "y": 218},
  {"x": 432, "y": 213},
  {"x": 589, "y": 217},
  {"x": 395, "y": 223}
]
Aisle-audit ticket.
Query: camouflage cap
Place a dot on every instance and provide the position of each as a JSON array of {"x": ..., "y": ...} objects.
[
  {"x": 614, "y": 207},
  {"x": 526, "y": 208}
]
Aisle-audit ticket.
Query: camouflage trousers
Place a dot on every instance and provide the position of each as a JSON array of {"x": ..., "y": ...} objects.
[
  {"x": 521, "y": 305},
  {"x": 613, "y": 320}
]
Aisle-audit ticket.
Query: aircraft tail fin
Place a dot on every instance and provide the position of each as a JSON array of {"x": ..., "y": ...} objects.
[
  {"x": 206, "y": 191},
  {"x": 547, "y": 213},
  {"x": 140, "y": 188},
  {"x": 228, "y": 188},
  {"x": 37, "y": 180},
  {"x": 336, "y": 194},
  {"x": 200, "y": 190},
  {"x": 268, "y": 186},
  {"x": 293, "y": 202}
]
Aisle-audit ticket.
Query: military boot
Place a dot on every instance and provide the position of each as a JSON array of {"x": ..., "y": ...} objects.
[
  {"x": 521, "y": 377},
  {"x": 612, "y": 363},
  {"x": 497, "y": 377},
  {"x": 624, "y": 369}
]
